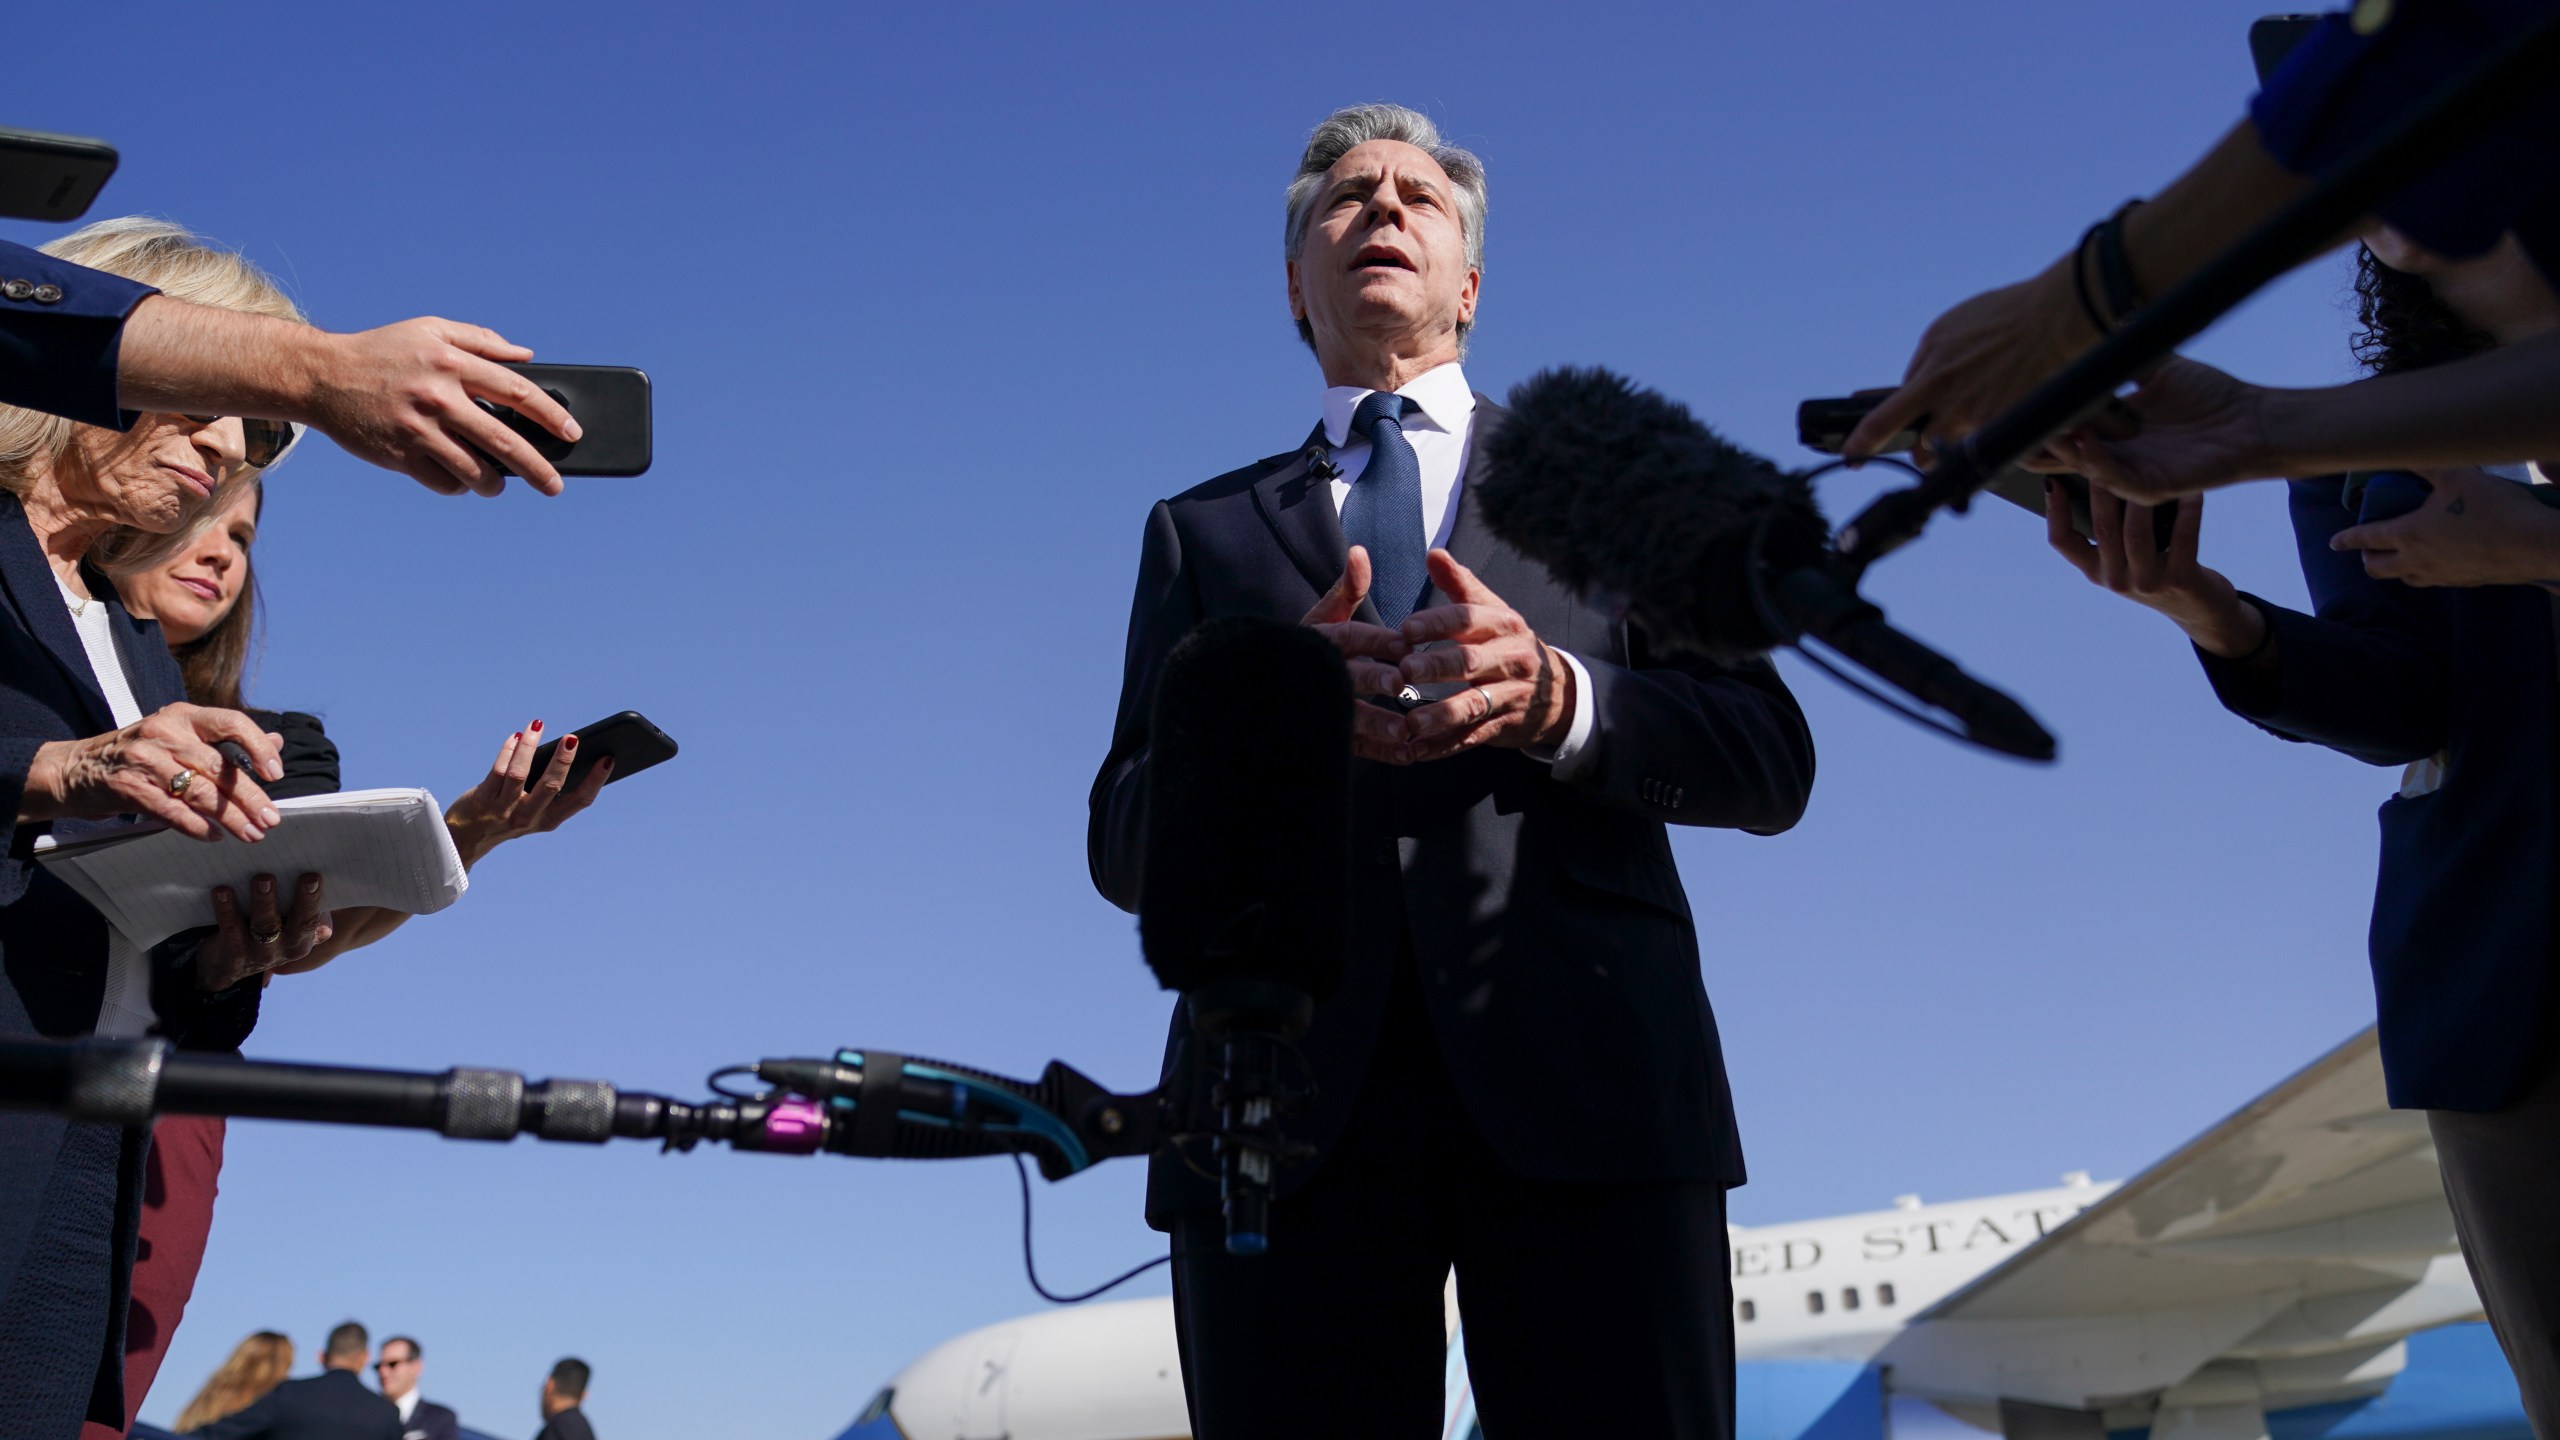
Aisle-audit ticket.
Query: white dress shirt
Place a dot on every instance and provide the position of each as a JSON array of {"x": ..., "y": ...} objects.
[
  {"x": 408, "y": 1404},
  {"x": 124, "y": 1010},
  {"x": 1438, "y": 432}
]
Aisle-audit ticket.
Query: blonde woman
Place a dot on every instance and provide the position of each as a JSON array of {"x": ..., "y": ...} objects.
[
  {"x": 257, "y": 1365},
  {"x": 94, "y": 723}
]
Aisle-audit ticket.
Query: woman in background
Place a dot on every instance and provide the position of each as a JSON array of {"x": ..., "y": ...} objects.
[
  {"x": 257, "y": 1365},
  {"x": 205, "y": 597}
]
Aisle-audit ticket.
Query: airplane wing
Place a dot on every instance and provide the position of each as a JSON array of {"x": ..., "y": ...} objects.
[{"x": 2277, "y": 1260}]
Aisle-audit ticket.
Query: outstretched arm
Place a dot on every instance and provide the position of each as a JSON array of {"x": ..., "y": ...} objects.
[{"x": 399, "y": 396}]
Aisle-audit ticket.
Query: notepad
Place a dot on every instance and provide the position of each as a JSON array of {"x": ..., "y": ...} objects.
[{"x": 383, "y": 848}]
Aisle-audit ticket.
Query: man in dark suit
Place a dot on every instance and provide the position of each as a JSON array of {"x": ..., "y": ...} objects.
[
  {"x": 332, "y": 1405},
  {"x": 563, "y": 1391},
  {"x": 1520, "y": 1075},
  {"x": 402, "y": 1365}
]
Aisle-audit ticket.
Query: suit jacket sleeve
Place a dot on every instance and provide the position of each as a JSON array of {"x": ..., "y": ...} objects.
[
  {"x": 2367, "y": 674},
  {"x": 1697, "y": 744},
  {"x": 60, "y": 356},
  {"x": 1166, "y": 607},
  {"x": 310, "y": 756}
]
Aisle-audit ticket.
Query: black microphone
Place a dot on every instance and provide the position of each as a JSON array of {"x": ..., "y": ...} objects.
[
  {"x": 1244, "y": 898},
  {"x": 1716, "y": 550}
]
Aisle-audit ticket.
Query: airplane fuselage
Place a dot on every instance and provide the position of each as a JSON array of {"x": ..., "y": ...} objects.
[{"x": 1838, "y": 1288}]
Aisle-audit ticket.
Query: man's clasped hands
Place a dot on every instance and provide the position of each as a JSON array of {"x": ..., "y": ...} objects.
[{"x": 1519, "y": 693}]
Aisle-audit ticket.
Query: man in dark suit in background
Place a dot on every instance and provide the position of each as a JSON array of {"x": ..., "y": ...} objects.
[
  {"x": 332, "y": 1405},
  {"x": 562, "y": 1393},
  {"x": 1520, "y": 1075},
  {"x": 402, "y": 1365}
]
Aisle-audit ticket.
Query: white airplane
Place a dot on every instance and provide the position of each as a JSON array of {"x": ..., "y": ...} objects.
[{"x": 2291, "y": 1274}]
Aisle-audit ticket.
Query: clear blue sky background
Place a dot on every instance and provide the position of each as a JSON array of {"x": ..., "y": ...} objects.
[{"x": 937, "y": 300}]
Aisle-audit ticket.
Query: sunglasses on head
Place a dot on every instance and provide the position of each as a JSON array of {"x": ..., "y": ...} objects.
[{"x": 266, "y": 440}]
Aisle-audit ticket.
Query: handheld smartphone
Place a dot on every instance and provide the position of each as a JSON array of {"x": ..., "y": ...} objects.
[
  {"x": 1824, "y": 425},
  {"x": 51, "y": 177},
  {"x": 629, "y": 738},
  {"x": 2272, "y": 38},
  {"x": 612, "y": 406}
]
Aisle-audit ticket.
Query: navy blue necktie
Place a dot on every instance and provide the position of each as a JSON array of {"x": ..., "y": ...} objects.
[{"x": 1384, "y": 510}]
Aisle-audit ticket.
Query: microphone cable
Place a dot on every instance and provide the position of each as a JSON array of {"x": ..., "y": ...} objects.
[{"x": 1031, "y": 1267}]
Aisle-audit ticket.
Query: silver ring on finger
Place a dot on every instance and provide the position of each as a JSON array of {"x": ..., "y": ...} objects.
[
  {"x": 268, "y": 937},
  {"x": 1487, "y": 698},
  {"x": 179, "y": 782}
]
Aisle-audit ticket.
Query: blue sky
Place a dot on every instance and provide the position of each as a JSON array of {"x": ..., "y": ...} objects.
[{"x": 937, "y": 301}]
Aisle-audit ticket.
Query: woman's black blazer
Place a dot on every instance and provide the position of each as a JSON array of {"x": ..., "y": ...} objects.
[{"x": 53, "y": 947}]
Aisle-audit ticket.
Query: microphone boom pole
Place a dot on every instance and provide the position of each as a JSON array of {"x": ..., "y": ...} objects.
[
  {"x": 2384, "y": 164},
  {"x": 863, "y": 1104}
]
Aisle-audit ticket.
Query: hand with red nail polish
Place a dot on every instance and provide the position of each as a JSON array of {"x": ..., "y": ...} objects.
[{"x": 511, "y": 801}]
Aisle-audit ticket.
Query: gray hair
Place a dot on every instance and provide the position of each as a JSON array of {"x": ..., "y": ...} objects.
[{"x": 1355, "y": 125}]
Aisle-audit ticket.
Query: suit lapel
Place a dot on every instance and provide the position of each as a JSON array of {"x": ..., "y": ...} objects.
[
  {"x": 1471, "y": 542},
  {"x": 38, "y": 597},
  {"x": 153, "y": 671},
  {"x": 1556, "y": 612},
  {"x": 1298, "y": 507}
]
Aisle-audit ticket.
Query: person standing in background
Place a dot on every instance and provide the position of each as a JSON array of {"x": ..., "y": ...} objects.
[
  {"x": 332, "y": 1405},
  {"x": 257, "y": 1365},
  {"x": 398, "y": 1372},
  {"x": 563, "y": 1391}
]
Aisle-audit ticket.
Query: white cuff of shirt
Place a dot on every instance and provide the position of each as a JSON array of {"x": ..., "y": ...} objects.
[{"x": 1573, "y": 754}]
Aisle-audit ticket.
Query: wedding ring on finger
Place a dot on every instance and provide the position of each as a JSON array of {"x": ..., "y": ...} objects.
[
  {"x": 179, "y": 782},
  {"x": 1481, "y": 694},
  {"x": 268, "y": 937}
]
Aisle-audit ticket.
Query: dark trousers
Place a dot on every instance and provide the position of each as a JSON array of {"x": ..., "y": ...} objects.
[
  {"x": 1590, "y": 1309},
  {"x": 177, "y": 1219},
  {"x": 2497, "y": 1177},
  {"x": 54, "y": 1313}
]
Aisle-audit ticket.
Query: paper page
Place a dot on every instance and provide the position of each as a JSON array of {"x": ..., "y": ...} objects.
[{"x": 386, "y": 848}]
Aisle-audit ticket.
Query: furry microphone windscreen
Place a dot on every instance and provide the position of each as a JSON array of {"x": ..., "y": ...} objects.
[
  {"x": 1617, "y": 489},
  {"x": 1248, "y": 795}
]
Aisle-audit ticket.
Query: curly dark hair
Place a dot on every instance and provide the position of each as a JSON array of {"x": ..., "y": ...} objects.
[{"x": 2407, "y": 326}]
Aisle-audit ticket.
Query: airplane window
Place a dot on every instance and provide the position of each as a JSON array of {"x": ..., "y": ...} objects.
[
  {"x": 1849, "y": 1298},
  {"x": 1884, "y": 1293},
  {"x": 1813, "y": 1301},
  {"x": 1750, "y": 1311}
]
